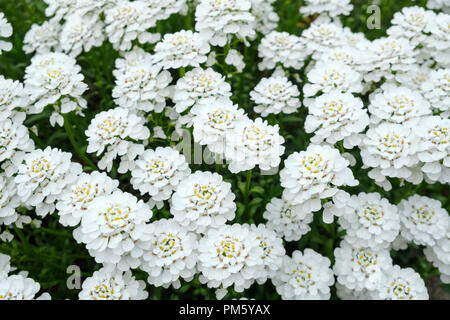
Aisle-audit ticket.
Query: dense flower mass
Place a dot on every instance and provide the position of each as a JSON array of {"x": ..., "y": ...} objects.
[{"x": 228, "y": 149}]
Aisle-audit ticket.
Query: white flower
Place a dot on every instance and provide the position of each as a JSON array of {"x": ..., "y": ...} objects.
[
  {"x": 274, "y": 95},
  {"x": 112, "y": 130},
  {"x": 321, "y": 36},
  {"x": 168, "y": 7},
  {"x": 265, "y": 16},
  {"x": 305, "y": 276},
  {"x": 326, "y": 77},
  {"x": 203, "y": 200},
  {"x": 345, "y": 293},
  {"x": 55, "y": 79},
  {"x": 215, "y": 20},
  {"x": 111, "y": 228},
  {"x": 75, "y": 200},
  {"x": 397, "y": 104},
  {"x": 336, "y": 116},
  {"x": 59, "y": 8},
  {"x": 112, "y": 284},
  {"x": 391, "y": 150},
  {"x": 5, "y": 266},
  {"x": 281, "y": 47},
  {"x": 81, "y": 33},
  {"x": 137, "y": 57},
  {"x": 438, "y": 4},
  {"x": 439, "y": 256},
  {"x": 314, "y": 174},
  {"x": 438, "y": 42},
  {"x": 5, "y": 32},
  {"x": 213, "y": 123},
  {"x": 272, "y": 252},
  {"x": 127, "y": 21},
  {"x": 254, "y": 143},
  {"x": 229, "y": 255},
  {"x": 434, "y": 135},
  {"x": 9, "y": 201},
  {"x": 18, "y": 287},
  {"x": 181, "y": 49},
  {"x": 14, "y": 137},
  {"x": 11, "y": 97},
  {"x": 414, "y": 78},
  {"x": 43, "y": 175},
  {"x": 236, "y": 59},
  {"x": 42, "y": 38},
  {"x": 347, "y": 55},
  {"x": 143, "y": 86},
  {"x": 368, "y": 219},
  {"x": 170, "y": 254},
  {"x": 401, "y": 284},
  {"x": 386, "y": 55},
  {"x": 289, "y": 221},
  {"x": 332, "y": 7},
  {"x": 360, "y": 268},
  {"x": 201, "y": 87},
  {"x": 158, "y": 172},
  {"x": 437, "y": 90},
  {"x": 424, "y": 221},
  {"x": 411, "y": 23}
]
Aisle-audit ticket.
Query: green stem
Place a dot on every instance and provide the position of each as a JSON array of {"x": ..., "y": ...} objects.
[
  {"x": 68, "y": 128},
  {"x": 54, "y": 232},
  {"x": 182, "y": 72},
  {"x": 340, "y": 146},
  {"x": 247, "y": 189}
]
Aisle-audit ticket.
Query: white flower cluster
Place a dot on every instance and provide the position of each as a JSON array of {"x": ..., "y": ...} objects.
[
  {"x": 217, "y": 20},
  {"x": 306, "y": 275},
  {"x": 5, "y": 32},
  {"x": 158, "y": 173},
  {"x": 369, "y": 220},
  {"x": 275, "y": 95},
  {"x": 54, "y": 79},
  {"x": 281, "y": 47},
  {"x": 315, "y": 174},
  {"x": 117, "y": 131},
  {"x": 140, "y": 83},
  {"x": 332, "y": 7},
  {"x": 424, "y": 221},
  {"x": 112, "y": 284},
  {"x": 336, "y": 116},
  {"x": 181, "y": 49},
  {"x": 203, "y": 200},
  {"x": 387, "y": 99},
  {"x": 17, "y": 286}
]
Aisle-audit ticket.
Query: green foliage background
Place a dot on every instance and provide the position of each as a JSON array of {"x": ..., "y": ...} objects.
[{"x": 46, "y": 252}]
